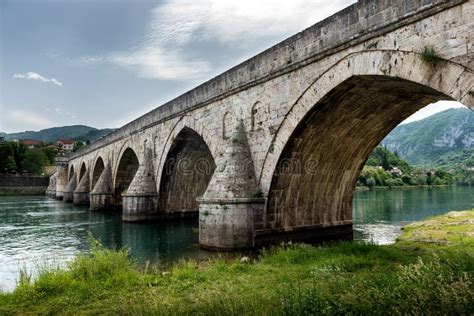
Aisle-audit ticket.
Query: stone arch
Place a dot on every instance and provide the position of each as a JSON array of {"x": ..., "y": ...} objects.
[
  {"x": 71, "y": 173},
  {"x": 97, "y": 170},
  {"x": 321, "y": 146},
  {"x": 185, "y": 122},
  {"x": 115, "y": 155},
  {"x": 186, "y": 172},
  {"x": 82, "y": 171},
  {"x": 126, "y": 168}
]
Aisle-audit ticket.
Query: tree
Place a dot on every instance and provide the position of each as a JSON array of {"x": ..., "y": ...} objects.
[
  {"x": 34, "y": 161},
  {"x": 429, "y": 178},
  {"x": 50, "y": 153},
  {"x": 407, "y": 180},
  {"x": 19, "y": 152},
  {"x": 10, "y": 165},
  {"x": 385, "y": 162},
  {"x": 78, "y": 145},
  {"x": 6, "y": 153}
]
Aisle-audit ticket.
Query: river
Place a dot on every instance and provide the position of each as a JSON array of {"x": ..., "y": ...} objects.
[{"x": 38, "y": 232}]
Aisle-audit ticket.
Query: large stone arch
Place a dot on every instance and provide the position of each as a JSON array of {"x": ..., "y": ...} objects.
[
  {"x": 126, "y": 167},
  {"x": 185, "y": 170},
  {"x": 316, "y": 155},
  {"x": 452, "y": 79}
]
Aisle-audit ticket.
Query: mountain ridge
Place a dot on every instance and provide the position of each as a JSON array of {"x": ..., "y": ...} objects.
[
  {"x": 424, "y": 142},
  {"x": 77, "y": 132}
]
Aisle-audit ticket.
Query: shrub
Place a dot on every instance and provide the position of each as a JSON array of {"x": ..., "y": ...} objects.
[
  {"x": 370, "y": 182},
  {"x": 429, "y": 56}
]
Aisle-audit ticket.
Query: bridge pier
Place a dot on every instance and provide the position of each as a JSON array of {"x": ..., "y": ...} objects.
[
  {"x": 71, "y": 186},
  {"x": 81, "y": 194},
  {"x": 140, "y": 200},
  {"x": 61, "y": 176},
  {"x": 101, "y": 197},
  {"x": 51, "y": 190},
  {"x": 232, "y": 200}
]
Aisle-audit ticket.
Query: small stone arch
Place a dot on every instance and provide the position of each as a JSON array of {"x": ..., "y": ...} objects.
[
  {"x": 117, "y": 154},
  {"x": 70, "y": 173},
  {"x": 127, "y": 167},
  {"x": 97, "y": 170},
  {"x": 82, "y": 171},
  {"x": 257, "y": 115}
]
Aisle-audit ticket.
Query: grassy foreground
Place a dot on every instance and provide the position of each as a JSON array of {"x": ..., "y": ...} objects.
[{"x": 430, "y": 270}]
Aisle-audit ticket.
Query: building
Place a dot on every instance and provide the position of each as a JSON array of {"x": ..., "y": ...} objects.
[
  {"x": 396, "y": 171},
  {"x": 65, "y": 144},
  {"x": 32, "y": 143}
]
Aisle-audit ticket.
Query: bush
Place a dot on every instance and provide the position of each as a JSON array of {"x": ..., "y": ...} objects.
[
  {"x": 370, "y": 182},
  {"x": 407, "y": 180},
  {"x": 419, "y": 180}
]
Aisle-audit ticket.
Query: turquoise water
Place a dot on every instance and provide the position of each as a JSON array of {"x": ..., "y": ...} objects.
[
  {"x": 379, "y": 215},
  {"x": 37, "y": 231}
]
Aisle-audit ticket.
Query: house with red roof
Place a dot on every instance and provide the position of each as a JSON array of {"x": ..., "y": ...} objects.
[
  {"x": 31, "y": 143},
  {"x": 65, "y": 144}
]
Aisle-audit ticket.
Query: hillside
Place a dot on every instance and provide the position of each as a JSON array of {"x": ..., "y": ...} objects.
[
  {"x": 79, "y": 132},
  {"x": 436, "y": 140}
]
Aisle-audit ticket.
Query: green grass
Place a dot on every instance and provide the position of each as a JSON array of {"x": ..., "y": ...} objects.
[{"x": 429, "y": 270}]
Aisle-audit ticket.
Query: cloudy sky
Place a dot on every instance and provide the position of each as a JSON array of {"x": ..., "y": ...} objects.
[{"x": 104, "y": 63}]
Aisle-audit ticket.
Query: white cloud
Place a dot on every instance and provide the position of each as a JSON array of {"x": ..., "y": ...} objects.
[
  {"x": 35, "y": 76},
  {"x": 164, "y": 52},
  {"x": 158, "y": 63},
  {"x": 431, "y": 109}
]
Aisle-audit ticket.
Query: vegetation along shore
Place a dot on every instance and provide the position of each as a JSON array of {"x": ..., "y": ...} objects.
[{"x": 430, "y": 269}]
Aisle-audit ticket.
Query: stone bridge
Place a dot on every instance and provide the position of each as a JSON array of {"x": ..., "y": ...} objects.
[{"x": 272, "y": 148}]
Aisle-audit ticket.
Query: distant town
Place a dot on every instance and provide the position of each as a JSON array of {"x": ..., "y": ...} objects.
[{"x": 61, "y": 145}]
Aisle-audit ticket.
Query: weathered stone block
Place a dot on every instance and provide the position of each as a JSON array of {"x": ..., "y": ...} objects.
[
  {"x": 101, "y": 202},
  {"x": 139, "y": 208},
  {"x": 228, "y": 224}
]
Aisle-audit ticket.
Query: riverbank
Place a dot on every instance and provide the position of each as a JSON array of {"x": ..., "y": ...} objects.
[
  {"x": 22, "y": 191},
  {"x": 405, "y": 187},
  {"x": 16, "y": 185},
  {"x": 429, "y": 270}
]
